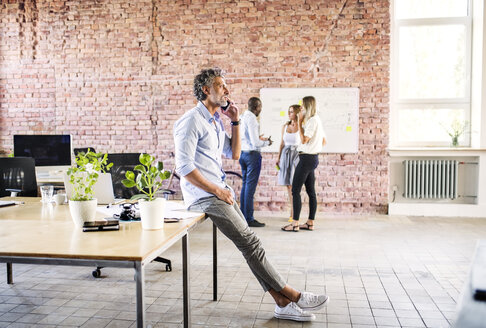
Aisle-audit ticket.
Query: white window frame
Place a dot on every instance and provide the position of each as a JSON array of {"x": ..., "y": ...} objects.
[{"x": 397, "y": 104}]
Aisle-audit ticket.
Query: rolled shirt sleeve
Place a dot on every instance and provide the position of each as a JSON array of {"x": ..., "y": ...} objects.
[
  {"x": 254, "y": 133},
  {"x": 185, "y": 141},
  {"x": 250, "y": 134},
  {"x": 310, "y": 128}
]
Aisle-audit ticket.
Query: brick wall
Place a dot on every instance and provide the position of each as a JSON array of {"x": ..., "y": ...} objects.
[{"x": 117, "y": 74}]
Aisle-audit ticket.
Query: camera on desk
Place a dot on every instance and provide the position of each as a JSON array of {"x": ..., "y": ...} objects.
[{"x": 129, "y": 212}]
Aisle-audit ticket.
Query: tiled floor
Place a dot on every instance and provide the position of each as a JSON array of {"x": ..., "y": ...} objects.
[{"x": 379, "y": 271}]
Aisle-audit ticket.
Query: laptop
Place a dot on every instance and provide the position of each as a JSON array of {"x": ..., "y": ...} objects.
[{"x": 103, "y": 189}]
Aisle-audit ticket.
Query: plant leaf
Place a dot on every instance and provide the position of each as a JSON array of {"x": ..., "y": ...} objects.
[
  {"x": 139, "y": 196},
  {"x": 128, "y": 183},
  {"x": 140, "y": 168},
  {"x": 130, "y": 175},
  {"x": 146, "y": 159},
  {"x": 166, "y": 175}
]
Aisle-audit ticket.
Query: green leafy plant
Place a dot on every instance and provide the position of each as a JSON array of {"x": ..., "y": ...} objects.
[
  {"x": 149, "y": 178},
  {"x": 84, "y": 175}
]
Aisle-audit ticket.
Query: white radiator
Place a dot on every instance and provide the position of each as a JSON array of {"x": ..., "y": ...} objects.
[{"x": 431, "y": 179}]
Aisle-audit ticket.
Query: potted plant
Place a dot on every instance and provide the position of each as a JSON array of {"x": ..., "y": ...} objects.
[
  {"x": 83, "y": 177},
  {"x": 148, "y": 181},
  {"x": 456, "y": 129}
]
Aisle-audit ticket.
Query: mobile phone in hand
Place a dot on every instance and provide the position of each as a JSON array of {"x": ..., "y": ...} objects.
[{"x": 223, "y": 108}]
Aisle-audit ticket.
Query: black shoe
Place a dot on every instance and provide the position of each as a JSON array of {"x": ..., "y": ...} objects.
[{"x": 256, "y": 224}]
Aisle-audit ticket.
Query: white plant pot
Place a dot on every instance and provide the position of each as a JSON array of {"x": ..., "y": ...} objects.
[
  {"x": 152, "y": 213},
  {"x": 82, "y": 211}
]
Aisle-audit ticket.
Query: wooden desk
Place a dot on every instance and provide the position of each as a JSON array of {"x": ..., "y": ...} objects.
[{"x": 45, "y": 234}]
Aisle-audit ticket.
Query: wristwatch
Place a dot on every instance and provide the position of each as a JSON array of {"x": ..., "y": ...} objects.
[{"x": 235, "y": 122}]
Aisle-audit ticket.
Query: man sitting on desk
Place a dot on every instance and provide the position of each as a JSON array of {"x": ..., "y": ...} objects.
[{"x": 200, "y": 140}]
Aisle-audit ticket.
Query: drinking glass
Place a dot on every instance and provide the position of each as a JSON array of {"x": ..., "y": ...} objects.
[{"x": 47, "y": 191}]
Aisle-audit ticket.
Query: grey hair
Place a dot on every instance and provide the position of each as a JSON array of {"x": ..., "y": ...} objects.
[{"x": 205, "y": 78}]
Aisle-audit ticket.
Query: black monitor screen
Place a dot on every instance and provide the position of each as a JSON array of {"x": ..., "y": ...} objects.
[{"x": 47, "y": 150}]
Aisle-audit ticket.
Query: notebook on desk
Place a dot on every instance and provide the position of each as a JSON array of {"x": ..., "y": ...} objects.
[{"x": 103, "y": 189}]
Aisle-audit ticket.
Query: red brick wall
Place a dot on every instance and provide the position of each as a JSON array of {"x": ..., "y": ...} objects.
[{"x": 117, "y": 74}]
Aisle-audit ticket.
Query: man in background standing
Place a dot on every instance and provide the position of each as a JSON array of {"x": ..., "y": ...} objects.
[{"x": 251, "y": 158}]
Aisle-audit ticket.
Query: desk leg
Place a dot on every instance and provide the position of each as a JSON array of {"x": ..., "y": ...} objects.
[
  {"x": 215, "y": 263},
  {"x": 9, "y": 273},
  {"x": 140, "y": 282},
  {"x": 185, "y": 281}
]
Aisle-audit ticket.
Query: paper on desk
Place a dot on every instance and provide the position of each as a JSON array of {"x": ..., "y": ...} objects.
[
  {"x": 109, "y": 210},
  {"x": 173, "y": 210}
]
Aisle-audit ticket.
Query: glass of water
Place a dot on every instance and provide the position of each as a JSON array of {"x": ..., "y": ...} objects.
[{"x": 47, "y": 191}]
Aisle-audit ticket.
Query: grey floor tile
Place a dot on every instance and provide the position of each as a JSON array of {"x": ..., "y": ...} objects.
[
  {"x": 96, "y": 323},
  {"x": 411, "y": 322},
  {"x": 31, "y": 318},
  {"x": 74, "y": 321},
  {"x": 52, "y": 319},
  {"x": 11, "y": 316},
  {"x": 404, "y": 283},
  {"x": 386, "y": 321},
  {"x": 119, "y": 324},
  {"x": 362, "y": 320}
]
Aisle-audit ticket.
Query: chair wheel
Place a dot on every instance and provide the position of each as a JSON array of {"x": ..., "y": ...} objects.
[
  {"x": 168, "y": 267},
  {"x": 96, "y": 273}
]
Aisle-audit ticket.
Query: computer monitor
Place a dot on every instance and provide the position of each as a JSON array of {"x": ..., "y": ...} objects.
[
  {"x": 50, "y": 152},
  {"x": 47, "y": 150}
]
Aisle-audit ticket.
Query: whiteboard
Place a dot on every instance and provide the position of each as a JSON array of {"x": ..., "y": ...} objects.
[{"x": 338, "y": 109}]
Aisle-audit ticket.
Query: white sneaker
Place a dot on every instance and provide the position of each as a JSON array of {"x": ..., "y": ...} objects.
[
  {"x": 310, "y": 301},
  {"x": 293, "y": 312}
]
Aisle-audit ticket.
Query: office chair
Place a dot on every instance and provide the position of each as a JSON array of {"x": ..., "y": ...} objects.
[
  {"x": 123, "y": 162},
  {"x": 171, "y": 191},
  {"x": 17, "y": 177}
]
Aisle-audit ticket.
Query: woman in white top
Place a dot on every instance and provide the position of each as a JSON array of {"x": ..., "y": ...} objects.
[
  {"x": 288, "y": 156},
  {"x": 312, "y": 139}
]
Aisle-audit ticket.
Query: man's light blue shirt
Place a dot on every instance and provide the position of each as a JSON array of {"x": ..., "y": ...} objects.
[
  {"x": 250, "y": 133},
  {"x": 200, "y": 141}
]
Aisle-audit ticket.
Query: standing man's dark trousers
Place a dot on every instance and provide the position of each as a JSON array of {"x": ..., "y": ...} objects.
[{"x": 251, "y": 165}]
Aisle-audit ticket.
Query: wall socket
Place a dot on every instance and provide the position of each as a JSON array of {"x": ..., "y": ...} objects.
[{"x": 395, "y": 188}]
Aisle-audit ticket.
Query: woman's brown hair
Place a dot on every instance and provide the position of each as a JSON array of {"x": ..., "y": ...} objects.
[{"x": 297, "y": 109}]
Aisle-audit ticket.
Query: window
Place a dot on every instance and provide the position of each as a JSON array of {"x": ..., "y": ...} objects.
[{"x": 431, "y": 71}]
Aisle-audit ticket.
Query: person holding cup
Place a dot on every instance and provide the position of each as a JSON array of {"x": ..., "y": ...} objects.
[{"x": 251, "y": 159}]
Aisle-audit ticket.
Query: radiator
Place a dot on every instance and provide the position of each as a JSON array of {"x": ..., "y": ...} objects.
[{"x": 431, "y": 179}]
